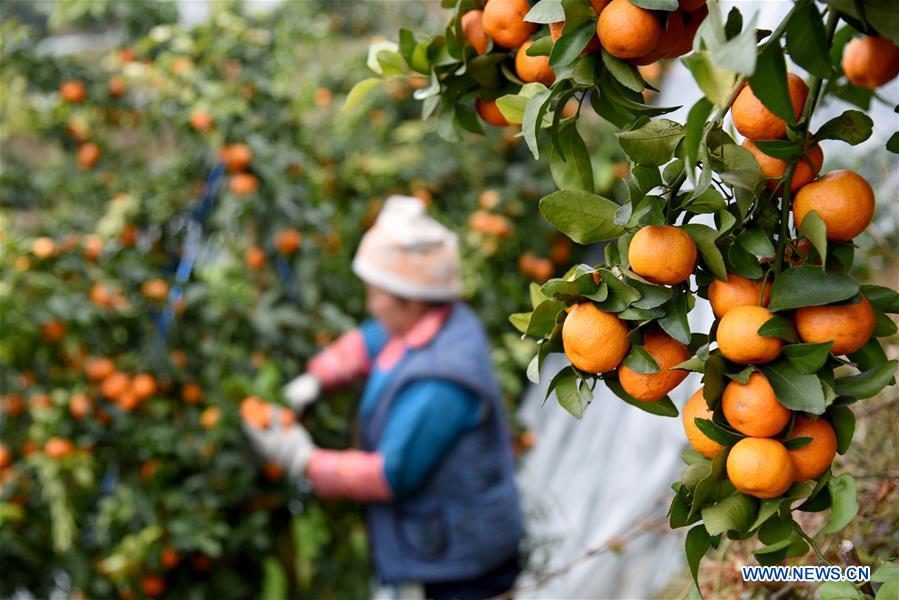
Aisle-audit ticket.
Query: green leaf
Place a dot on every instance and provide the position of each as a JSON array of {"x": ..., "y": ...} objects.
[
  {"x": 797, "y": 443},
  {"x": 776, "y": 530},
  {"x": 843, "y": 421},
  {"x": 532, "y": 121},
  {"x": 713, "y": 379},
  {"x": 844, "y": 502},
  {"x": 705, "y": 237},
  {"x": 696, "y": 121},
  {"x": 755, "y": 241},
  {"x": 888, "y": 591},
  {"x": 785, "y": 149},
  {"x": 715, "y": 82},
  {"x": 779, "y": 327},
  {"x": 624, "y": 72},
  {"x": 536, "y": 295},
  {"x": 653, "y": 144},
  {"x": 696, "y": 544},
  {"x": 568, "y": 396},
  {"x": 666, "y": 5},
  {"x": 740, "y": 167},
  {"x": 814, "y": 230},
  {"x": 274, "y": 579},
  {"x": 767, "y": 510},
  {"x": 520, "y": 321},
  {"x": 572, "y": 170},
  {"x": 807, "y": 358},
  {"x": 870, "y": 355},
  {"x": 838, "y": 590},
  {"x": 710, "y": 201},
  {"x": 868, "y": 383},
  {"x": 705, "y": 487},
  {"x": 769, "y": 83},
  {"x": 807, "y": 285},
  {"x": 742, "y": 263},
  {"x": 359, "y": 92},
  {"x": 739, "y": 53},
  {"x": 886, "y": 572},
  {"x": 733, "y": 513},
  {"x": 675, "y": 323},
  {"x": 543, "y": 319},
  {"x": 640, "y": 361},
  {"x": 651, "y": 296},
  {"x": 541, "y": 47},
  {"x": 568, "y": 47},
  {"x": 881, "y": 298},
  {"x": 584, "y": 217},
  {"x": 795, "y": 390},
  {"x": 893, "y": 143},
  {"x": 807, "y": 40},
  {"x": 743, "y": 376},
  {"x": 546, "y": 11},
  {"x": 852, "y": 127},
  {"x": 512, "y": 107},
  {"x": 717, "y": 432},
  {"x": 663, "y": 408},
  {"x": 620, "y": 294}
]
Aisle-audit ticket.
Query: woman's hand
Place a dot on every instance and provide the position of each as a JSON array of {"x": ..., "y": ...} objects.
[
  {"x": 302, "y": 391},
  {"x": 290, "y": 446}
]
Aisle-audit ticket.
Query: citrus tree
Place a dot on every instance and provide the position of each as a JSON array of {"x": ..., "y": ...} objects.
[
  {"x": 753, "y": 227},
  {"x": 178, "y": 219}
]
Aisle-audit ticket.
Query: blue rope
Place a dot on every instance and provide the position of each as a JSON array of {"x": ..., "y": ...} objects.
[{"x": 191, "y": 249}]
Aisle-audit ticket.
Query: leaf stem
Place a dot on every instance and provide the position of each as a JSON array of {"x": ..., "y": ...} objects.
[
  {"x": 811, "y": 543},
  {"x": 675, "y": 188}
]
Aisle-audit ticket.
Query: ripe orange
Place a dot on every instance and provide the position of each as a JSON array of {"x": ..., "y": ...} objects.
[
  {"x": 487, "y": 223},
  {"x": 594, "y": 45},
  {"x": 128, "y": 236},
  {"x": 503, "y": 20},
  {"x": 843, "y": 200},
  {"x": 561, "y": 251},
  {"x": 322, "y": 97},
  {"x": 756, "y": 122},
  {"x": 80, "y": 406},
  {"x": 191, "y": 393},
  {"x": 93, "y": 247},
  {"x": 533, "y": 68},
  {"x": 760, "y": 467},
  {"x": 668, "y": 43},
  {"x": 667, "y": 352},
  {"x": 662, "y": 254},
  {"x": 849, "y": 326},
  {"x": 813, "y": 459},
  {"x": 626, "y": 30},
  {"x": 5, "y": 456},
  {"x": 594, "y": 341},
  {"x": 692, "y": 21},
  {"x": 272, "y": 471},
  {"x": 691, "y": 5},
  {"x": 88, "y": 155},
  {"x": 181, "y": 64},
  {"x": 244, "y": 184},
  {"x": 473, "y": 30},
  {"x": 169, "y": 558},
  {"x": 737, "y": 291},
  {"x": 774, "y": 168},
  {"x": 753, "y": 409},
  {"x": 117, "y": 86},
  {"x": 697, "y": 408},
  {"x": 738, "y": 337},
  {"x": 58, "y": 447},
  {"x": 535, "y": 267},
  {"x": 115, "y": 385},
  {"x": 210, "y": 417},
  {"x": 12, "y": 405},
  {"x": 287, "y": 241},
  {"x": 152, "y": 586},
  {"x": 237, "y": 157},
  {"x": 155, "y": 289},
  {"x": 43, "y": 247},
  {"x": 201, "y": 120},
  {"x": 258, "y": 413},
  {"x": 254, "y": 257},
  {"x": 53, "y": 331},
  {"x": 128, "y": 401},
  {"x": 143, "y": 385},
  {"x": 73, "y": 92},
  {"x": 870, "y": 61},
  {"x": 488, "y": 111},
  {"x": 40, "y": 400}
]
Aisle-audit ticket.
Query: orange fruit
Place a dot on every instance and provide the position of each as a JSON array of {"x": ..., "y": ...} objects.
[
  {"x": 53, "y": 331},
  {"x": 93, "y": 247},
  {"x": 237, "y": 157},
  {"x": 489, "y": 199},
  {"x": 322, "y": 97},
  {"x": 58, "y": 447},
  {"x": 692, "y": 21},
  {"x": 486, "y": 223},
  {"x": 73, "y": 92},
  {"x": 128, "y": 401},
  {"x": 738, "y": 337},
  {"x": 115, "y": 385},
  {"x": 697, "y": 408},
  {"x": 473, "y": 30},
  {"x": 43, "y": 247},
  {"x": 258, "y": 413},
  {"x": 774, "y": 168},
  {"x": 200, "y": 120},
  {"x": 129, "y": 235},
  {"x": 667, "y": 352},
  {"x": 5, "y": 456},
  {"x": 843, "y": 200},
  {"x": 594, "y": 341},
  {"x": 80, "y": 406},
  {"x": 12, "y": 404},
  {"x": 669, "y": 40},
  {"x": 626, "y": 30},
  {"x": 756, "y": 122},
  {"x": 760, "y": 467},
  {"x": 691, "y": 5},
  {"x": 533, "y": 68},
  {"x": 152, "y": 586},
  {"x": 155, "y": 289},
  {"x": 535, "y": 267},
  {"x": 737, "y": 291},
  {"x": 287, "y": 241},
  {"x": 169, "y": 558},
  {"x": 812, "y": 460},
  {"x": 191, "y": 393},
  {"x": 849, "y": 326},
  {"x": 88, "y": 155},
  {"x": 243, "y": 184},
  {"x": 662, "y": 254},
  {"x": 555, "y": 32},
  {"x": 561, "y": 251},
  {"x": 181, "y": 64},
  {"x": 753, "y": 409},
  {"x": 503, "y": 21},
  {"x": 117, "y": 86},
  {"x": 126, "y": 55},
  {"x": 870, "y": 61},
  {"x": 143, "y": 385},
  {"x": 272, "y": 471},
  {"x": 254, "y": 257},
  {"x": 210, "y": 417},
  {"x": 488, "y": 111},
  {"x": 40, "y": 400}
]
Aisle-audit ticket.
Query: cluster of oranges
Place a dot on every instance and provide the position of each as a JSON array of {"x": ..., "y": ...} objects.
[
  {"x": 623, "y": 29},
  {"x": 238, "y": 158},
  {"x": 88, "y": 153}
]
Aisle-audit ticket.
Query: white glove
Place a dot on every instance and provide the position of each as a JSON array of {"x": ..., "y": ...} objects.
[
  {"x": 302, "y": 391},
  {"x": 290, "y": 447}
]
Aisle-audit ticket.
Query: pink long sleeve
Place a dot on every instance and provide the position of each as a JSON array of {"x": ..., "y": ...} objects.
[
  {"x": 342, "y": 362},
  {"x": 349, "y": 474}
]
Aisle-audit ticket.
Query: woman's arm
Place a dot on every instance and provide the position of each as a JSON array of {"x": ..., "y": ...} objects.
[{"x": 349, "y": 358}]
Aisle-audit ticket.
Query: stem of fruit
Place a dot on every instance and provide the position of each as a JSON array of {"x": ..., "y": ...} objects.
[{"x": 802, "y": 129}]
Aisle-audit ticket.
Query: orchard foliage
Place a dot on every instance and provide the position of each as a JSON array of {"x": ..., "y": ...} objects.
[{"x": 698, "y": 203}]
